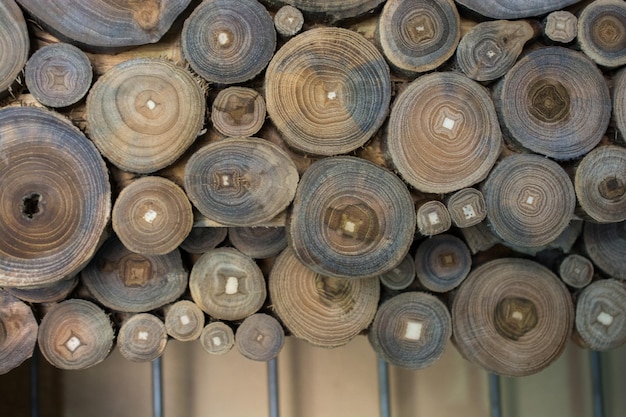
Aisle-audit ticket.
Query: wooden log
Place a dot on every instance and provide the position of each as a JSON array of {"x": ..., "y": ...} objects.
[
  {"x": 443, "y": 133},
  {"x": 51, "y": 293},
  {"x": 15, "y": 46},
  {"x": 530, "y": 200},
  {"x": 401, "y": 276},
  {"x": 184, "y": 320},
  {"x": 75, "y": 334},
  {"x": 442, "y": 263},
  {"x": 576, "y": 270},
  {"x": 466, "y": 207},
  {"x": 479, "y": 237},
  {"x": 433, "y": 218},
  {"x": 203, "y": 239},
  {"x": 351, "y": 218},
  {"x": 260, "y": 337},
  {"x": 417, "y": 36},
  {"x": 18, "y": 332},
  {"x": 327, "y": 91},
  {"x": 601, "y": 315},
  {"x": 602, "y": 32},
  {"x": 144, "y": 113},
  {"x": 152, "y": 216},
  {"x": 227, "y": 284},
  {"x": 619, "y": 102},
  {"x": 600, "y": 184},
  {"x": 142, "y": 338},
  {"x": 325, "y": 311},
  {"x": 240, "y": 181},
  {"x": 288, "y": 21},
  {"x": 106, "y": 25},
  {"x": 238, "y": 112},
  {"x": 329, "y": 11},
  {"x": 490, "y": 49},
  {"x": 544, "y": 105},
  {"x": 125, "y": 281},
  {"x": 411, "y": 330},
  {"x": 605, "y": 244},
  {"x": 258, "y": 242},
  {"x": 514, "y": 9},
  {"x": 56, "y": 198},
  {"x": 217, "y": 338},
  {"x": 560, "y": 26},
  {"x": 228, "y": 42},
  {"x": 511, "y": 316}
]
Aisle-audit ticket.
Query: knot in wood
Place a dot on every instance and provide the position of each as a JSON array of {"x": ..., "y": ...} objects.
[
  {"x": 514, "y": 317},
  {"x": 610, "y": 32},
  {"x": 549, "y": 101},
  {"x": 146, "y": 13},
  {"x": 488, "y": 53},
  {"x": 31, "y": 206},
  {"x": 421, "y": 29},
  {"x": 612, "y": 188}
]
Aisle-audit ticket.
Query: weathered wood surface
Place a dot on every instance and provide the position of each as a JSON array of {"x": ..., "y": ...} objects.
[
  {"x": 514, "y": 9},
  {"x": 142, "y": 338},
  {"x": 15, "y": 46},
  {"x": 18, "y": 332}
]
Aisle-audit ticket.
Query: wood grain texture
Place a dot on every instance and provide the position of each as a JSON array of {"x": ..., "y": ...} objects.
[
  {"x": 14, "y": 44},
  {"x": 433, "y": 218},
  {"x": 217, "y": 338},
  {"x": 288, "y": 21},
  {"x": 514, "y": 9},
  {"x": 442, "y": 262},
  {"x": 184, "y": 320},
  {"x": 260, "y": 337},
  {"x": 142, "y": 338},
  {"x": 238, "y": 112},
  {"x": 18, "y": 332},
  {"x": 329, "y": 11},
  {"x": 605, "y": 244},
  {"x": 51, "y": 293},
  {"x": 401, "y": 276},
  {"x": 203, "y": 239},
  {"x": 466, "y": 207},
  {"x": 258, "y": 242},
  {"x": 576, "y": 270},
  {"x": 602, "y": 32},
  {"x": 561, "y": 26}
]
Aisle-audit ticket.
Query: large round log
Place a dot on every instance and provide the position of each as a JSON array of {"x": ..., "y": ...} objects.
[
  {"x": 330, "y": 11},
  {"x": 514, "y": 9},
  {"x": 14, "y": 44},
  {"x": 602, "y": 32},
  {"x": 18, "y": 332}
]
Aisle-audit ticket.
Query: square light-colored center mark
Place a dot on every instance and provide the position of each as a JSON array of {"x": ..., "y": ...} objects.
[
  {"x": 72, "y": 344},
  {"x": 185, "y": 320},
  {"x": 469, "y": 212},
  {"x": 433, "y": 218},
  {"x": 605, "y": 318},
  {"x": 413, "y": 330},
  {"x": 232, "y": 286},
  {"x": 448, "y": 123}
]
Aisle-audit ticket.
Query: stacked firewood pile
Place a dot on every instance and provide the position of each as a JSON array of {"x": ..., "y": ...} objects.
[{"x": 229, "y": 172}]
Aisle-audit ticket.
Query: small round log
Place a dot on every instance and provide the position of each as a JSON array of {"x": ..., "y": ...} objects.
[
  {"x": 75, "y": 334},
  {"x": 241, "y": 181},
  {"x": 351, "y": 218},
  {"x": 134, "y": 283},
  {"x": 217, "y": 338},
  {"x": 605, "y": 244},
  {"x": 530, "y": 200},
  {"x": 327, "y": 91},
  {"x": 51, "y": 293},
  {"x": 58, "y": 75},
  {"x": 258, "y": 242},
  {"x": 142, "y": 338},
  {"x": 561, "y": 26},
  {"x": 576, "y": 271},
  {"x": 260, "y": 337},
  {"x": 227, "y": 284},
  {"x": 152, "y": 216},
  {"x": 419, "y": 35},
  {"x": 203, "y": 239},
  {"x": 442, "y": 263},
  {"x": 601, "y": 315},
  {"x": 325, "y": 311},
  {"x": 18, "y": 332},
  {"x": 433, "y": 218},
  {"x": 401, "y": 276},
  {"x": 602, "y": 32},
  {"x": 554, "y": 101},
  {"x": 184, "y": 321},
  {"x": 238, "y": 112},
  {"x": 14, "y": 44},
  {"x": 144, "y": 113},
  {"x": 511, "y": 316},
  {"x": 411, "y": 330},
  {"x": 466, "y": 207},
  {"x": 228, "y": 42},
  {"x": 514, "y": 9},
  {"x": 288, "y": 21},
  {"x": 329, "y": 11},
  {"x": 56, "y": 198},
  {"x": 443, "y": 133}
]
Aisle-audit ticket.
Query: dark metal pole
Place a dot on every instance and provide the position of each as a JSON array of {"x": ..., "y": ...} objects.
[
  {"x": 272, "y": 379},
  {"x": 34, "y": 384},
  {"x": 596, "y": 383},
  {"x": 383, "y": 388},
  {"x": 157, "y": 387},
  {"x": 495, "y": 399}
]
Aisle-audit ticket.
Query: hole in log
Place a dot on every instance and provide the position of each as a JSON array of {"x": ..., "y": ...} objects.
[
  {"x": 514, "y": 317},
  {"x": 30, "y": 205},
  {"x": 611, "y": 188}
]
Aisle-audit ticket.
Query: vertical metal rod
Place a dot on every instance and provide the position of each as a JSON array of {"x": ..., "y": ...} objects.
[
  {"x": 272, "y": 379},
  {"x": 157, "y": 387},
  {"x": 495, "y": 399},
  {"x": 596, "y": 383},
  {"x": 383, "y": 388},
  {"x": 34, "y": 384}
]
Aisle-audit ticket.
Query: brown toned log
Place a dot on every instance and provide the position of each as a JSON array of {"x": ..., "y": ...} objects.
[
  {"x": 324, "y": 311},
  {"x": 56, "y": 198},
  {"x": 605, "y": 244},
  {"x": 351, "y": 218},
  {"x": 258, "y": 242},
  {"x": 443, "y": 133},
  {"x": 152, "y": 216},
  {"x": 142, "y": 338},
  {"x": 130, "y": 282},
  {"x": 105, "y": 25},
  {"x": 490, "y": 49},
  {"x": 419, "y": 35},
  {"x": 479, "y": 237},
  {"x": 561, "y": 26},
  {"x": 75, "y": 334},
  {"x": 217, "y": 338},
  {"x": 511, "y": 316},
  {"x": 227, "y": 284},
  {"x": 401, "y": 276},
  {"x": 576, "y": 271},
  {"x": 14, "y": 44},
  {"x": 144, "y": 113},
  {"x": 601, "y": 315},
  {"x": 466, "y": 207},
  {"x": 18, "y": 332},
  {"x": 58, "y": 75},
  {"x": 51, "y": 293},
  {"x": 514, "y": 9},
  {"x": 228, "y": 42},
  {"x": 530, "y": 200},
  {"x": 554, "y": 101},
  {"x": 288, "y": 21},
  {"x": 327, "y": 91},
  {"x": 329, "y": 11},
  {"x": 238, "y": 112},
  {"x": 203, "y": 239},
  {"x": 184, "y": 320},
  {"x": 600, "y": 184},
  {"x": 260, "y": 337},
  {"x": 602, "y": 32},
  {"x": 619, "y": 102},
  {"x": 411, "y": 330},
  {"x": 433, "y": 218},
  {"x": 442, "y": 263}
]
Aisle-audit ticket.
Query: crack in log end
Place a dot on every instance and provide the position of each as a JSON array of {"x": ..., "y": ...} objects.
[{"x": 514, "y": 317}]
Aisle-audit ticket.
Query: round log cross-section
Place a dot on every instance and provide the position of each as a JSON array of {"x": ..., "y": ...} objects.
[
  {"x": 142, "y": 338},
  {"x": 18, "y": 332},
  {"x": 14, "y": 44},
  {"x": 260, "y": 337},
  {"x": 602, "y": 32}
]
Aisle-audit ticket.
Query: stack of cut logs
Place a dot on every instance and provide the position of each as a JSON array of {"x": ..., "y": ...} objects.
[{"x": 231, "y": 172}]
